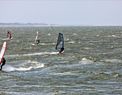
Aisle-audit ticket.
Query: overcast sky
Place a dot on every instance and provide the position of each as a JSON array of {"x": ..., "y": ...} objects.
[{"x": 62, "y": 12}]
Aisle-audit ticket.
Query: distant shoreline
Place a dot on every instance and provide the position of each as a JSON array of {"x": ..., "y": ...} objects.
[
  {"x": 22, "y": 24},
  {"x": 50, "y": 25}
]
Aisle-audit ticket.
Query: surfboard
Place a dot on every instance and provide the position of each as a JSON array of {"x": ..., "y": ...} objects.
[
  {"x": 60, "y": 42},
  {"x": 2, "y": 51}
]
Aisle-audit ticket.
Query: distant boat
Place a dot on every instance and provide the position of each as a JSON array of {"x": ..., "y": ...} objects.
[{"x": 60, "y": 43}]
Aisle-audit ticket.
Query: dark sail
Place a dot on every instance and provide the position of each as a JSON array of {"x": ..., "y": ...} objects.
[{"x": 60, "y": 42}]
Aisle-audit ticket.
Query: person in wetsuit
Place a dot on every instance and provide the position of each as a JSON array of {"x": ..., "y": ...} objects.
[
  {"x": 61, "y": 50},
  {"x": 2, "y": 63},
  {"x": 9, "y": 35},
  {"x": 37, "y": 41}
]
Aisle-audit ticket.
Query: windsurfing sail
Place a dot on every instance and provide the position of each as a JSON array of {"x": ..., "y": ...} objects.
[
  {"x": 60, "y": 42},
  {"x": 9, "y": 35},
  {"x": 37, "y": 41},
  {"x": 2, "y": 51},
  {"x": 37, "y": 33}
]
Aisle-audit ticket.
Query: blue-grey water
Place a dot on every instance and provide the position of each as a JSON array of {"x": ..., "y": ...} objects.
[{"x": 90, "y": 65}]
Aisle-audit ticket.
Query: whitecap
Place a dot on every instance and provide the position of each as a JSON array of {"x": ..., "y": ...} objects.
[
  {"x": 113, "y": 60},
  {"x": 74, "y": 34},
  {"x": 49, "y": 34},
  {"x": 26, "y": 66},
  {"x": 86, "y": 61},
  {"x": 71, "y": 42},
  {"x": 32, "y": 54}
]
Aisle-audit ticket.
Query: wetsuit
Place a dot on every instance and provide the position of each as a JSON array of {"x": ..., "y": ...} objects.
[
  {"x": 3, "y": 63},
  {"x": 9, "y": 35},
  {"x": 61, "y": 50},
  {"x": 37, "y": 41}
]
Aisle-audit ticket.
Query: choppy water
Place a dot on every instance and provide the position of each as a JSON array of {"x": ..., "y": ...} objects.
[{"x": 91, "y": 64}]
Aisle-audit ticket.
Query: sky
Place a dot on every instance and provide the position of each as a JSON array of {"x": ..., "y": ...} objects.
[{"x": 62, "y": 12}]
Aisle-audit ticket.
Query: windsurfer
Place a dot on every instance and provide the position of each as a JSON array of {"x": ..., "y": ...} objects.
[
  {"x": 2, "y": 63},
  {"x": 9, "y": 35},
  {"x": 60, "y": 43},
  {"x": 61, "y": 50},
  {"x": 37, "y": 41}
]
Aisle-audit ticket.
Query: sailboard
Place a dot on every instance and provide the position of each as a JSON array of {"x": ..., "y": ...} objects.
[
  {"x": 60, "y": 42},
  {"x": 2, "y": 51}
]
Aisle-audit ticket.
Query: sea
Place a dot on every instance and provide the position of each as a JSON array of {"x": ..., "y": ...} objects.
[{"x": 90, "y": 65}]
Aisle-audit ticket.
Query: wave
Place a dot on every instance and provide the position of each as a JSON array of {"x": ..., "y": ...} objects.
[
  {"x": 43, "y": 44},
  {"x": 25, "y": 66},
  {"x": 32, "y": 54},
  {"x": 112, "y": 60},
  {"x": 71, "y": 42},
  {"x": 86, "y": 61},
  {"x": 74, "y": 34},
  {"x": 114, "y": 36},
  {"x": 49, "y": 34},
  {"x": 64, "y": 73}
]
